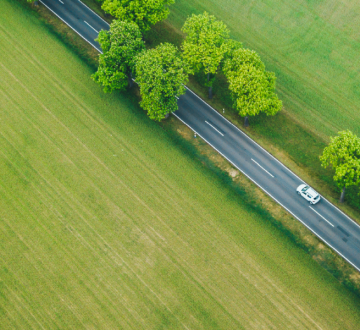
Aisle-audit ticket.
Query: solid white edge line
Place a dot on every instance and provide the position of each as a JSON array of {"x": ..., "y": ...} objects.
[
  {"x": 90, "y": 26},
  {"x": 94, "y": 12},
  {"x": 342, "y": 212},
  {"x": 322, "y": 217},
  {"x": 214, "y": 128},
  {"x": 71, "y": 27},
  {"x": 271, "y": 196},
  {"x": 262, "y": 167}
]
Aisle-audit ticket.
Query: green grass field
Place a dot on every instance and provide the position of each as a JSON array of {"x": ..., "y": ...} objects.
[
  {"x": 312, "y": 46},
  {"x": 107, "y": 223}
]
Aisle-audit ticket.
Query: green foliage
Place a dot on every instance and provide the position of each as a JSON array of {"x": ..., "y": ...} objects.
[
  {"x": 206, "y": 43},
  {"x": 120, "y": 46},
  {"x": 143, "y": 12},
  {"x": 161, "y": 75},
  {"x": 231, "y": 46},
  {"x": 252, "y": 87},
  {"x": 343, "y": 155},
  {"x": 244, "y": 57}
]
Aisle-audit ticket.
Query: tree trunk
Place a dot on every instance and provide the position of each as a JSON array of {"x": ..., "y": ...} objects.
[
  {"x": 131, "y": 83},
  {"x": 210, "y": 87},
  {"x": 246, "y": 121},
  {"x": 342, "y": 197},
  {"x": 210, "y": 92}
]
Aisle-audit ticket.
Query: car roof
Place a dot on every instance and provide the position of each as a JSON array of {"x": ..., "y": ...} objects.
[{"x": 312, "y": 192}]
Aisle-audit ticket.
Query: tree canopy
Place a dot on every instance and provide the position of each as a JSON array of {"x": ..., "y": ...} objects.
[
  {"x": 161, "y": 75},
  {"x": 343, "y": 155},
  {"x": 206, "y": 43},
  {"x": 251, "y": 87},
  {"x": 143, "y": 12},
  {"x": 120, "y": 46}
]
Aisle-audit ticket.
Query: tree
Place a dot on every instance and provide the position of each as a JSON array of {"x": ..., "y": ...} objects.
[
  {"x": 252, "y": 88},
  {"x": 120, "y": 46},
  {"x": 343, "y": 154},
  {"x": 161, "y": 75},
  {"x": 206, "y": 44},
  {"x": 142, "y": 12}
]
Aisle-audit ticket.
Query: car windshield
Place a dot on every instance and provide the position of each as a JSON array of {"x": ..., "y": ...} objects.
[{"x": 305, "y": 188}]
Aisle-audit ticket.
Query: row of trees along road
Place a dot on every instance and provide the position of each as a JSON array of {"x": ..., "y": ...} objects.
[
  {"x": 206, "y": 48},
  {"x": 163, "y": 71}
]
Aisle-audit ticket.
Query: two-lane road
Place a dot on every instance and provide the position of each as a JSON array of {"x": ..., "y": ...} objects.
[
  {"x": 79, "y": 18},
  {"x": 325, "y": 220}
]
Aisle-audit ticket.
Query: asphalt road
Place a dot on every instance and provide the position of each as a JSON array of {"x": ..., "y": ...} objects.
[
  {"x": 325, "y": 220},
  {"x": 79, "y": 18}
]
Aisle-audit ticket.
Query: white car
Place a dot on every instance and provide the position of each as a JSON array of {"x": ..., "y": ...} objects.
[{"x": 308, "y": 193}]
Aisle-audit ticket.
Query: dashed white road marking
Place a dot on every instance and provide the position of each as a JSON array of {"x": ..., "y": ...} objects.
[
  {"x": 322, "y": 217},
  {"x": 176, "y": 97},
  {"x": 61, "y": 1},
  {"x": 94, "y": 13},
  {"x": 214, "y": 128},
  {"x": 262, "y": 167},
  {"x": 91, "y": 27}
]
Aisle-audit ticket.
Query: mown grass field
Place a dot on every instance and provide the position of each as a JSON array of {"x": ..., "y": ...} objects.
[
  {"x": 312, "y": 46},
  {"x": 107, "y": 223}
]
